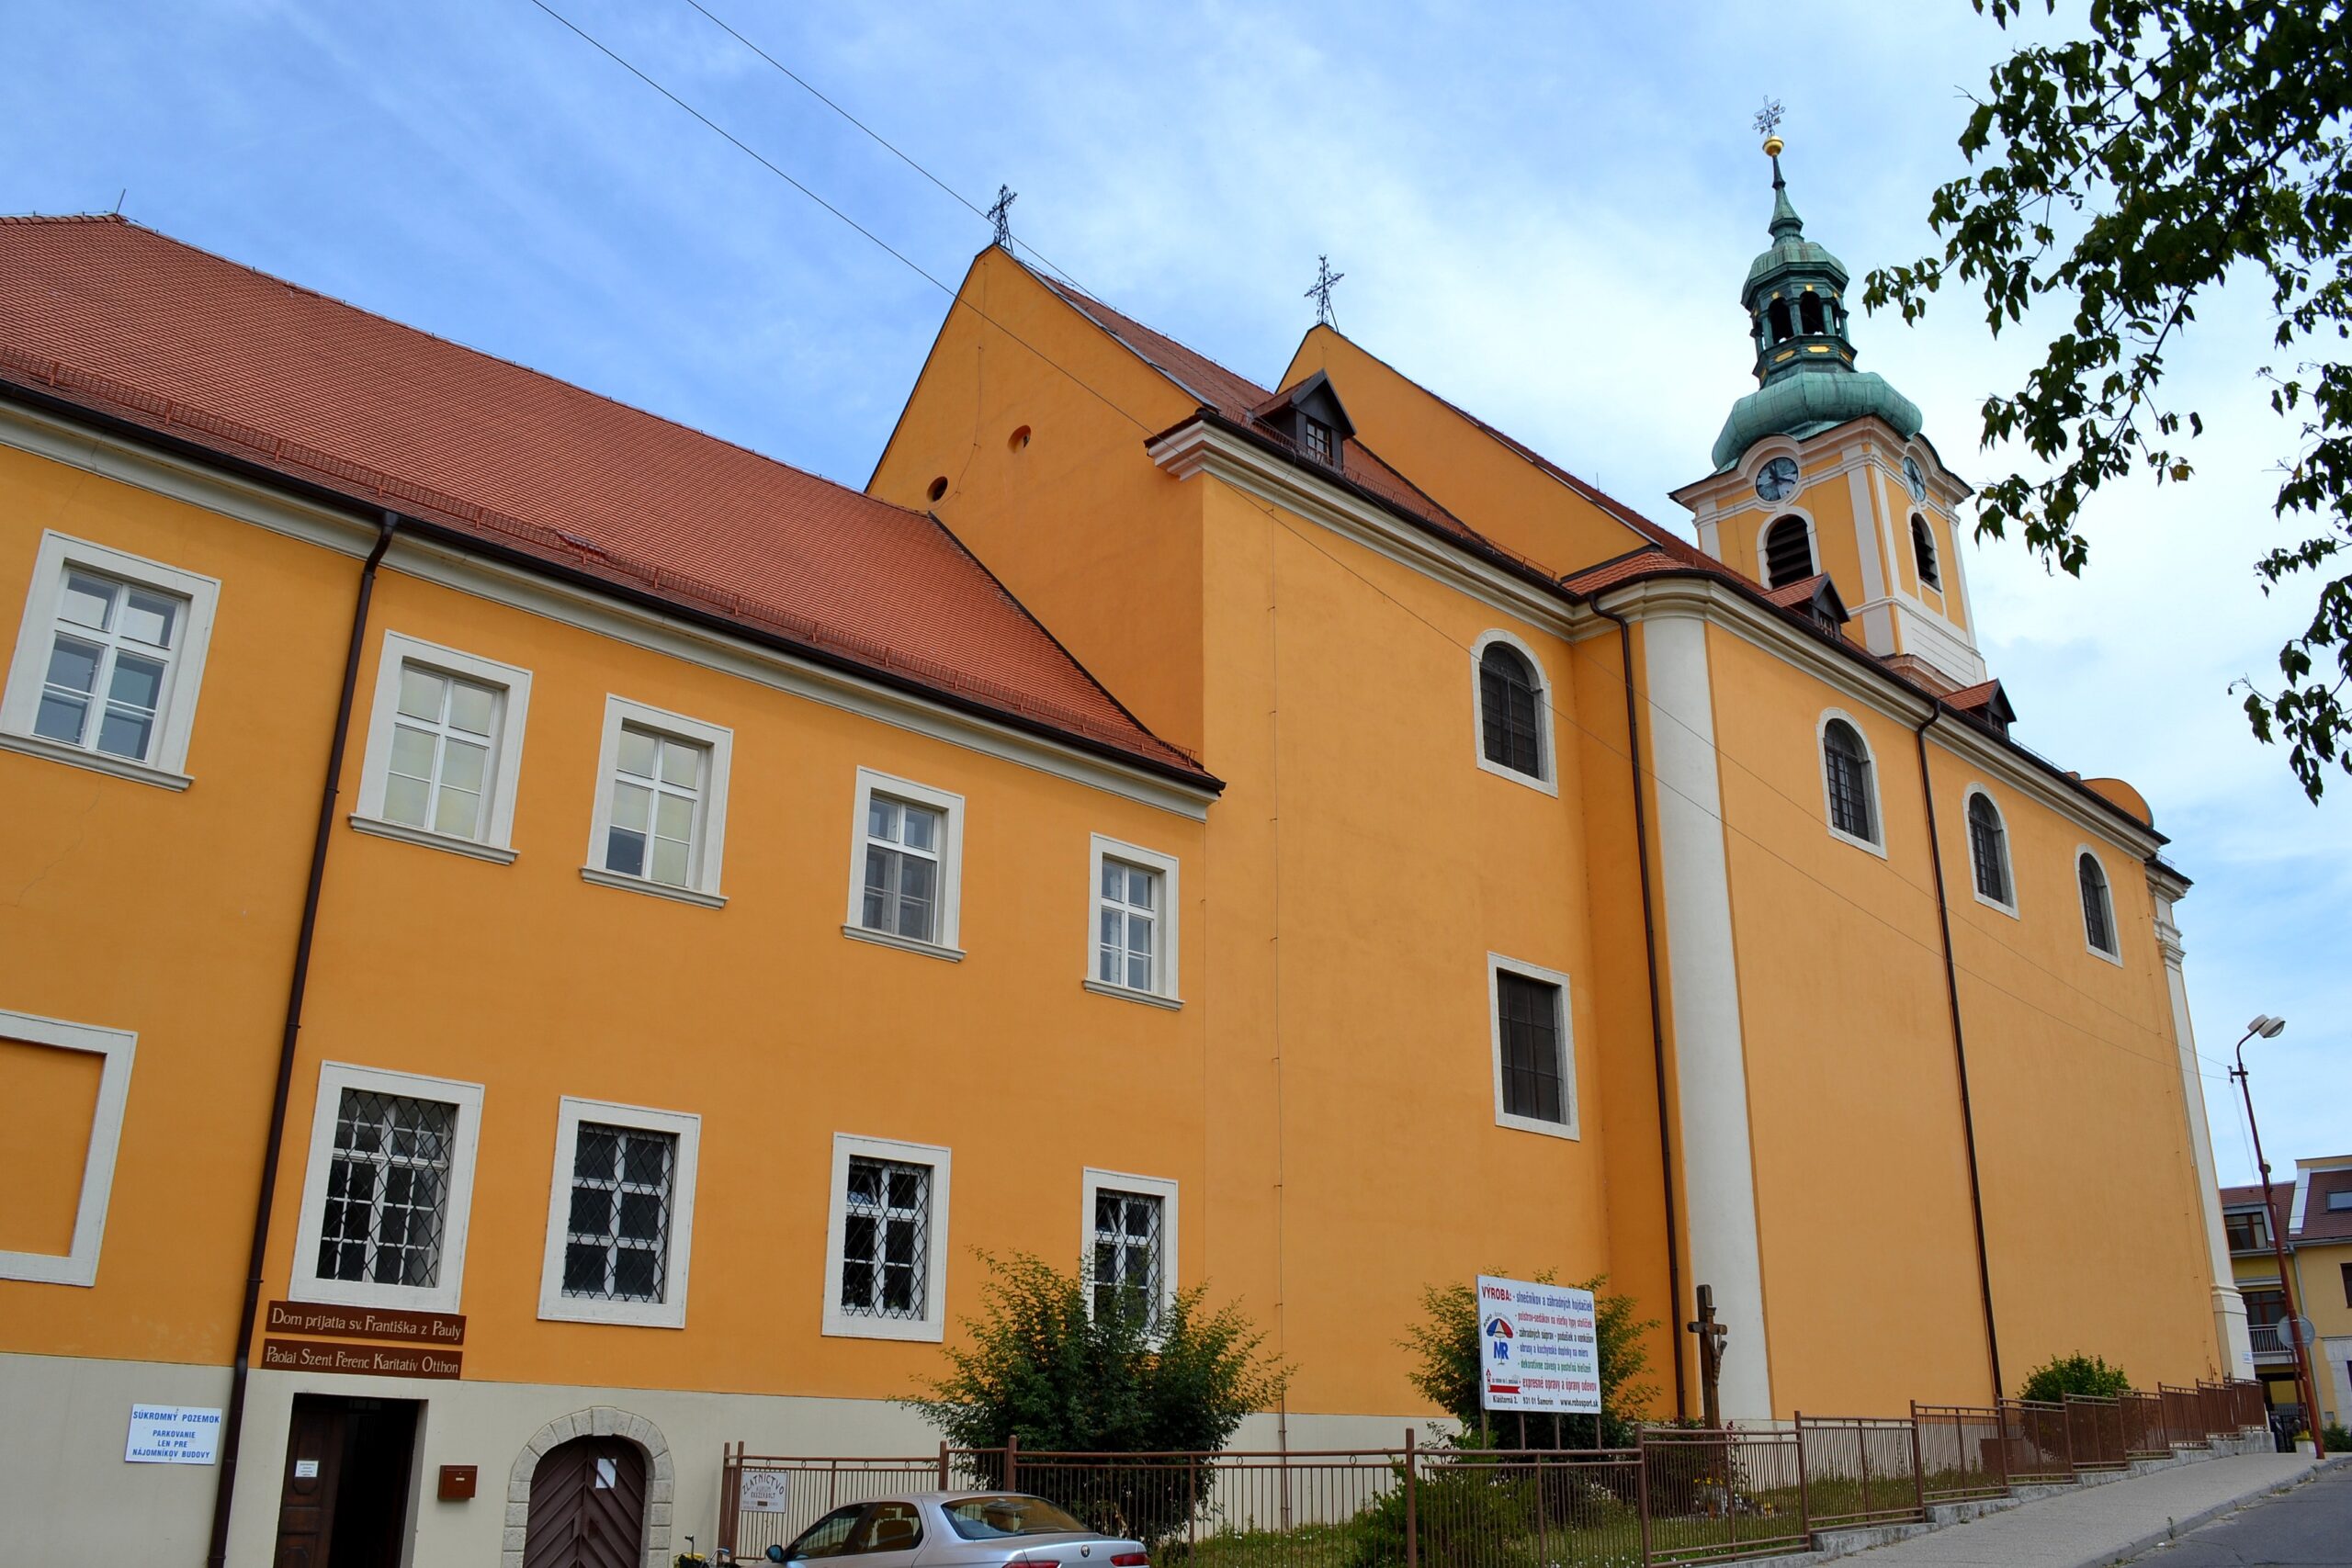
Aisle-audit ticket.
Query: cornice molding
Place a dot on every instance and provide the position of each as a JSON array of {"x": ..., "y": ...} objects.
[
  {"x": 112, "y": 456},
  {"x": 1199, "y": 446}
]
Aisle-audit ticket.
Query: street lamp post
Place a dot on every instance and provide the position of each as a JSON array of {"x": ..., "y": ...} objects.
[{"x": 2305, "y": 1390}]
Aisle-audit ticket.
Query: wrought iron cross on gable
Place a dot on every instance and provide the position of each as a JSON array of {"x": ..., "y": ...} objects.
[
  {"x": 1000, "y": 213},
  {"x": 1321, "y": 293}
]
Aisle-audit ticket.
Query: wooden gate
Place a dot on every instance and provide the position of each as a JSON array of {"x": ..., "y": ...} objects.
[{"x": 587, "y": 1507}]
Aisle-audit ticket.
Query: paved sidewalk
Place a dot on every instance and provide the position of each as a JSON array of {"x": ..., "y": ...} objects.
[{"x": 2094, "y": 1525}]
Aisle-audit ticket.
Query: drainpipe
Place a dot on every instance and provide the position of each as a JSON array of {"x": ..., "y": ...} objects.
[
  {"x": 1658, "y": 1015},
  {"x": 1959, "y": 1048},
  {"x": 232, "y": 1424}
]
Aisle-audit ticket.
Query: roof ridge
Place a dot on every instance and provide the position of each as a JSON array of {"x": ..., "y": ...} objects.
[
  {"x": 549, "y": 378},
  {"x": 28, "y": 219},
  {"x": 1080, "y": 297}
]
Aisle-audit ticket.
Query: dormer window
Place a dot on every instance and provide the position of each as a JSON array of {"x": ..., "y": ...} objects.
[{"x": 1315, "y": 438}]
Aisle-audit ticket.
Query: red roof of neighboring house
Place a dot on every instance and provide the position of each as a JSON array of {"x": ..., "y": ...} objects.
[
  {"x": 2319, "y": 1222},
  {"x": 123, "y": 322}
]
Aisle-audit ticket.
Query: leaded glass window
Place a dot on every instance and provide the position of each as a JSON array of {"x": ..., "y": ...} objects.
[
  {"x": 1535, "y": 1077},
  {"x": 658, "y": 787},
  {"x": 886, "y": 1240},
  {"x": 617, "y": 1244},
  {"x": 443, "y": 733},
  {"x": 1988, "y": 847},
  {"x": 1127, "y": 946},
  {"x": 902, "y": 848},
  {"x": 1847, "y": 767},
  {"x": 109, "y": 666},
  {"x": 1128, "y": 1263},
  {"x": 1509, "y": 730},
  {"x": 388, "y": 1189}
]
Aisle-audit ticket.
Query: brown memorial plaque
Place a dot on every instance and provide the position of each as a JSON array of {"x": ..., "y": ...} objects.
[
  {"x": 445, "y": 1328},
  {"x": 371, "y": 1360}
]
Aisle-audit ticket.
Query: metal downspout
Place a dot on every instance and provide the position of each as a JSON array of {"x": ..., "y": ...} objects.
[
  {"x": 1658, "y": 1015},
  {"x": 233, "y": 1424},
  {"x": 1959, "y": 1048}
]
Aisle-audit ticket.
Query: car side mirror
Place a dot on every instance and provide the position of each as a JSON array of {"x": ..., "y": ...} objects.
[{"x": 775, "y": 1554}]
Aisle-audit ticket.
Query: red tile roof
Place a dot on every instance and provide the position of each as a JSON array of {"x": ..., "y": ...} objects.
[
  {"x": 110, "y": 317},
  {"x": 2319, "y": 1222}
]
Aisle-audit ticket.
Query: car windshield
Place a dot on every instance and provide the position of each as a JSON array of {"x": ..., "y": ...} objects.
[{"x": 994, "y": 1519}]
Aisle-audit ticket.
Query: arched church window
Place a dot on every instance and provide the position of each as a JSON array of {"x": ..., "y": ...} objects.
[
  {"x": 1809, "y": 313},
  {"x": 1778, "y": 316},
  {"x": 1923, "y": 550},
  {"x": 1509, "y": 727},
  {"x": 2099, "y": 909},
  {"x": 1788, "y": 553},
  {"x": 1845, "y": 763},
  {"x": 1988, "y": 848}
]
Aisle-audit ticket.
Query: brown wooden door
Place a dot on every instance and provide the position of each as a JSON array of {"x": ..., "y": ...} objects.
[
  {"x": 313, "y": 1470},
  {"x": 587, "y": 1507}
]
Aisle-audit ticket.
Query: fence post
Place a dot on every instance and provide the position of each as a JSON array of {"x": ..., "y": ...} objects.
[
  {"x": 1861, "y": 1452},
  {"x": 2001, "y": 1442},
  {"x": 1412, "y": 1522},
  {"x": 731, "y": 1493},
  {"x": 1918, "y": 1467},
  {"x": 944, "y": 1482},
  {"x": 1642, "y": 1488},
  {"x": 2066, "y": 1430},
  {"x": 1805, "y": 1487},
  {"x": 1012, "y": 1461},
  {"x": 1192, "y": 1504}
]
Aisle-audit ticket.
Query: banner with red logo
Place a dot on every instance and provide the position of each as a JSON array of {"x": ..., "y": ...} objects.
[{"x": 1536, "y": 1347}]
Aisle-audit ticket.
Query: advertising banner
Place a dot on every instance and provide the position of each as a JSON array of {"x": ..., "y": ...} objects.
[{"x": 1536, "y": 1347}]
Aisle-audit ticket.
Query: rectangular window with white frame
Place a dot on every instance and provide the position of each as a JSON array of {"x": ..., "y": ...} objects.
[
  {"x": 906, "y": 871},
  {"x": 620, "y": 1214},
  {"x": 886, "y": 1266},
  {"x": 1129, "y": 1237},
  {"x": 1133, "y": 921},
  {"x": 108, "y": 659},
  {"x": 388, "y": 1189},
  {"x": 1535, "y": 1050},
  {"x": 660, "y": 823},
  {"x": 444, "y": 749}
]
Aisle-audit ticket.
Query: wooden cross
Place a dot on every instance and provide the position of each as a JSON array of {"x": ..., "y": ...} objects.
[{"x": 1711, "y": 1336}]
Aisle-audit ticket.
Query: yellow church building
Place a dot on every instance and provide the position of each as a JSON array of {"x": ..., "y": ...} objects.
[{"x": 543, "y": 943}]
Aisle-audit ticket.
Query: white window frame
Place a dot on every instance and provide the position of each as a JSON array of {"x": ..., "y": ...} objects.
[
  {"x": 950, "y": 806},
  {"x": 2114, "y": 923},
  {"x": 718, "y": 742},
  {"x": 166, "y": 765},
  {"x": 933, "y": 1325},
  {"x": 1092, "y": 1182},
  {"x": 1165, "y": 974},
  {"x": 304, "y": 1283},
  {"x": 2008, "y": 860},
  {"x": 1548, "y": 781},
  {"x": 114, "y": 1049},
  {"x": 496, "y": 843},
  {"x": 1498, "y": 964},
  {"x": 669, "y": 1311},
  {"x": 1821, "y": 769}
]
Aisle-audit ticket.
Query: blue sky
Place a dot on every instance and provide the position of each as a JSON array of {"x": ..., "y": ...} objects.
[{"x": 1544, "y": 212}]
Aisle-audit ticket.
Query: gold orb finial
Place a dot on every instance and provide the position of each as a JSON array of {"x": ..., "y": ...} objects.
[{"x": 1772, "y": 145}]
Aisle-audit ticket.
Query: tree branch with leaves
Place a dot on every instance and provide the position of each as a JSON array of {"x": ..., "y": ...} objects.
[{"x": 2124, "y": 177}]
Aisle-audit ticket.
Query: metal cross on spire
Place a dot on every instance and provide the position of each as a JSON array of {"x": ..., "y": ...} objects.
[
  {"x": 1000, "y": 213},
  {"x": 1767, "y": 118},
  {"x": 1321, "y": 293}
]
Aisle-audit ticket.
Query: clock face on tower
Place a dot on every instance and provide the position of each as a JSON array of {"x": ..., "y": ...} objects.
[
  {"x": 1915, "y": 481},
  {"x": 1779, "y": 479}
]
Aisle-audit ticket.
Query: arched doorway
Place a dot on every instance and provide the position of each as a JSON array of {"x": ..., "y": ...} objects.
[{"x": 587, "y": 1505}]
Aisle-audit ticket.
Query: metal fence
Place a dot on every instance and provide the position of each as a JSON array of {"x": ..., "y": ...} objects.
[{"x": 1681, "y": 1496}]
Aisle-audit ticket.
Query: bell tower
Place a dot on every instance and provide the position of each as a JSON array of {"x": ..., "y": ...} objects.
[{"x": 1823, "y": 470}]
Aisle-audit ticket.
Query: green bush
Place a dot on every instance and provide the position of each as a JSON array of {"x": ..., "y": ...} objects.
[
  {"x": 1041, "y": 1367},
  {"x": 2077, "y": 1373},
  {"x": 2334, "y": 1439}
]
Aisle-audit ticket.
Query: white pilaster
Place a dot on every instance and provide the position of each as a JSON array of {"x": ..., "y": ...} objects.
[
  {"x": 2229, "y": 1307},
  {"x": 1711, "y": 1069}
]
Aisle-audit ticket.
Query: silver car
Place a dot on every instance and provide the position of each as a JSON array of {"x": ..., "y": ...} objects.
[{"x": 960, "y": 1530}]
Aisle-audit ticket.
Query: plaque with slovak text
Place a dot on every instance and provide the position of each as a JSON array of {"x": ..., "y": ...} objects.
[{"x": 444, "y": 1328}]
